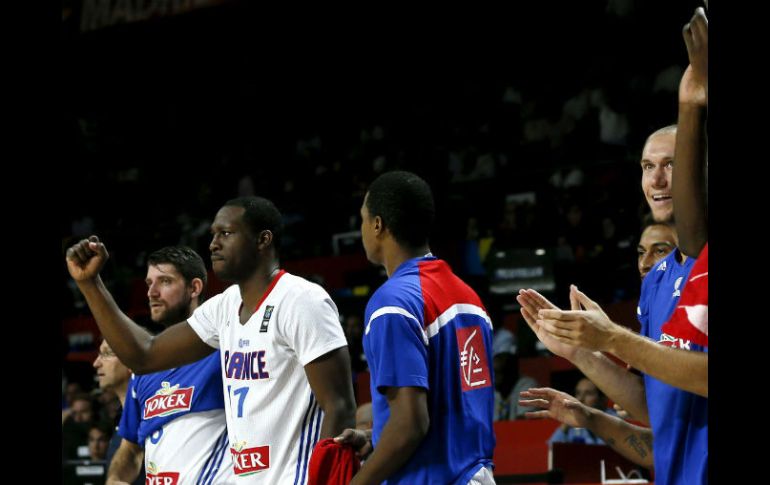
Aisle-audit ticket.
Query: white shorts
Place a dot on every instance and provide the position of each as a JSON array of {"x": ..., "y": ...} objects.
[{"x": 482, "y": 477}]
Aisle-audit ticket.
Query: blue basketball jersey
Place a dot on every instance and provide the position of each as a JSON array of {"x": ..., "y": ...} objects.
[
  {"x": 426, "y": 328},
  {"x": 679, "y": 419}
]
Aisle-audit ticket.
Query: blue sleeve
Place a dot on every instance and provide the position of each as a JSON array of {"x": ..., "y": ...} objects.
[
  {"x": 132, "y": 415},
  {"x": 400, "y": 354}
]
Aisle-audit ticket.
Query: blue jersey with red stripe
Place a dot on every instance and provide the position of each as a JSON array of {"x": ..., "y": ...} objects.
[
  {"x": 426, "y": 328},
  {"x": 679, "y": 419}
]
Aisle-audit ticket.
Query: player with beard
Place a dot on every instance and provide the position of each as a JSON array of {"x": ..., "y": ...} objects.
[
  {"x": 174, "y": 419},
  {"x": 284, "y": 359}
]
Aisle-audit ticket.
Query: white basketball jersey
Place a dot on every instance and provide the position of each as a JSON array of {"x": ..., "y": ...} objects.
[
  {"x": 200, "y": 463},
  {"x": 273, "y": 419}
]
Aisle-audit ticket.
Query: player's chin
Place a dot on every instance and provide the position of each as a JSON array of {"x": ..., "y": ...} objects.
[{"x": 220, "y": 268}]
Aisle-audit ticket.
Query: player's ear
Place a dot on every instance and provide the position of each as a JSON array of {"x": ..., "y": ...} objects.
[
  {"x": 197, "y": 287},
  {"x": 265, "y": 239}
]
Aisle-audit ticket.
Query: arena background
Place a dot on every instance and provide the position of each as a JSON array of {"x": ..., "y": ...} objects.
[{"x": 528, "y": 126}]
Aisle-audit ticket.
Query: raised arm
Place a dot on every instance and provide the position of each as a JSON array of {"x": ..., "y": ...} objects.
[
  {"x": 689, "y": 175},
  {"x": 134, "y": 346}
]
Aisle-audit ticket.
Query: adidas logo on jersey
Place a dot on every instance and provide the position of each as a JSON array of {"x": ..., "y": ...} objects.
[
  {"x": 168, "y": 400},
  {"x": 662, "y": 266}
]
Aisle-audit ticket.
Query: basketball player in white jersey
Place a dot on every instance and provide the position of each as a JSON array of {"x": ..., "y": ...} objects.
[{"x": 285, "y": 364}]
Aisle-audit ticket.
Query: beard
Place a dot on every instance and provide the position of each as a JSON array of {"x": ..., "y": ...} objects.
[{"x": 176, "y": 314}]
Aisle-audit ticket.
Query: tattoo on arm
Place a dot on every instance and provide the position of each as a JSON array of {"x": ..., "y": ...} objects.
[
  {"x": 635, "y": 443},
  {"x": 647, "y": 438}
]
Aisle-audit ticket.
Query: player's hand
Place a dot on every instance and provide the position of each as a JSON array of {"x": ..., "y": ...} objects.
[
  {"x": 555, "y": 405},
  {"x": 693, "y": 88},
  {"x": 86, "y": 258},
  {"x": 360, "y": 440},
  {"x": 531, "y": 303},
  {"x": 590, "y": 328}
]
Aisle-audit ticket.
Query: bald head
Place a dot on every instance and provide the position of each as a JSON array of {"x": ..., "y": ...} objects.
[{"x": 657, "y": 164}]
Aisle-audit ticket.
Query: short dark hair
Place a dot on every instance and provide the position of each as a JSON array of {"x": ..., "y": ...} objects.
[
  {"x": 648, "y": 220},
  {"x": 104, "y": 427},
  {"x": 404, "y": 201},
  {"x": 189, "y": 263},
  {"x": 260, "y": 214}
]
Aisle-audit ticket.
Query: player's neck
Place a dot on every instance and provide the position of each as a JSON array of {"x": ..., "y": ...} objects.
[
  {"x": 395, "y": 255},
  {"x": 120, "y": 391},
  {"x": 253, "y": 289},
  {"x": 680, "y": 256}
]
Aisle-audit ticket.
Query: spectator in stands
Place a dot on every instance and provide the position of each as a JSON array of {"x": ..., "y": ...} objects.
[
  {"x": 587, "y": 393},
  {"x": 81, "y": 411},
  {"x": 354, "y": 328},
  {"x": 113, "y": 379},
  {"x": 70, "y": 391},
  {"x": 75, "y": 425},
  {"x": 508, "y": 382},
  {"x": 109, "y": 406},
  {"x": 98, "y": 439}
]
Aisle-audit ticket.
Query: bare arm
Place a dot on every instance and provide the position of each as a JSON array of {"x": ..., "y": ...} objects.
[
  {"x": 134, "y": 346},
  {"x": 126, "y": 463},
  {"x": 332, "y": 384},
  {"x": 621, "y": 386},
  {"x": 688, "y": 184},
  {"x": 592, "y": 329},
  {"x": 631, "y": 441},
  {"x": 684, "y": 369},
  {"x": 689, "y": 180},
  {"x": 406, "y": 427}
]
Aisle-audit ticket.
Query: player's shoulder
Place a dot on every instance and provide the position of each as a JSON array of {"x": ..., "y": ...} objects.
[
  {"x": 230, "y": 296},
  {"x": 396, "y": 293},
  {"x": 396, "y": 290},
  {"x": 293, "y": 288},
  {"x": 152, "y": 379}
]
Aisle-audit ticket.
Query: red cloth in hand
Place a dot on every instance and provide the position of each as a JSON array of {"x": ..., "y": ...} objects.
[{"x": 332, "y": 463}]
